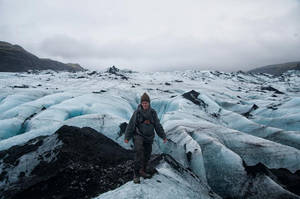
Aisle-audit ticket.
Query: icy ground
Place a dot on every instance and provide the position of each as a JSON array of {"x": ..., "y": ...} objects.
[{"x": 217, "y": 123}]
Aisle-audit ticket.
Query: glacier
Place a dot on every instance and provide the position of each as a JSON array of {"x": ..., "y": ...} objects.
[{"x": 220, "y": 126}]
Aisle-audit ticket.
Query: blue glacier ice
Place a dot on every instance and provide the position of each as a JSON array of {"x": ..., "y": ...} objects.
[{"x": 215, "y": 139}]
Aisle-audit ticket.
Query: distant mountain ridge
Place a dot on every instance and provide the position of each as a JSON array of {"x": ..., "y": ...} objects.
[
  {"x": 14, "y": 58},
  {"x": 277, "y": 69}
]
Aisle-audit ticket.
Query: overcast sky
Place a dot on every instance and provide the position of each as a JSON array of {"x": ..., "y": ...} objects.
[{"x": 156, "y": 35}]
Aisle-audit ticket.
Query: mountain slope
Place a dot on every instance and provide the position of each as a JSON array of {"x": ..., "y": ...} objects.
[
  {"x": 14, "y": 58},
  {"x": 277, "y": 69}
]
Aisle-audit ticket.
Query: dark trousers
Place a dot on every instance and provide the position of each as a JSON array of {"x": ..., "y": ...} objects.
[{"x": 142, "y": 153}]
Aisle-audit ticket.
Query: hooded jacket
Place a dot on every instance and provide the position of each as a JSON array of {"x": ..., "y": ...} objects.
[{"x": 137, "y": 126}]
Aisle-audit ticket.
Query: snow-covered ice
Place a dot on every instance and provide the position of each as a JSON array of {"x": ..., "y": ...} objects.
[{"x": 235, "y": 121}]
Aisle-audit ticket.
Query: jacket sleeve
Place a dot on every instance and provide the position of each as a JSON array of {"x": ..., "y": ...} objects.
[
  {"x": 158, "y": 127},
  {"x": 130, "y": 127}
]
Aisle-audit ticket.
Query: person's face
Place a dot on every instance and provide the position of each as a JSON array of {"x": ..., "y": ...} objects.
[{"x": 145, "y": 105}]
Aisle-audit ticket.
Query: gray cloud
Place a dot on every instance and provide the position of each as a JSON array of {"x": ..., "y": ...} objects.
[{"x": 157, "y": 35}]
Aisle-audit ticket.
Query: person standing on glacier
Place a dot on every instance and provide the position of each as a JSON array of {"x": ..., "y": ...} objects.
[{"x": 141, "y": 128}]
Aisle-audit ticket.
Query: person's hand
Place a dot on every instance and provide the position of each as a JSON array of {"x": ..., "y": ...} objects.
[
  {"x": 165, "y": 140},
  {"x": 126, "y": 141}
]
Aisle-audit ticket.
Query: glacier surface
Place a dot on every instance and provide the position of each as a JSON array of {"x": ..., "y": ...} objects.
[{"x": 218, "y": 124}]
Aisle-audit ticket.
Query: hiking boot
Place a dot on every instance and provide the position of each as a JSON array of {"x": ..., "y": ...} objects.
[
  {"x": 136, "y": 179},
  {"x": 144, "y": 174}
]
